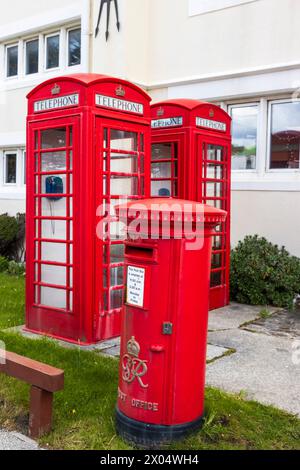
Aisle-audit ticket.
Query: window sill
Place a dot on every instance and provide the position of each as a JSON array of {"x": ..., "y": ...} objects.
[{"x": 267, "y": 182}]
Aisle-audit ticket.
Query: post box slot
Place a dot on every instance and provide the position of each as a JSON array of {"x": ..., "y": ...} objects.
[{"x": 139, "y": 251}]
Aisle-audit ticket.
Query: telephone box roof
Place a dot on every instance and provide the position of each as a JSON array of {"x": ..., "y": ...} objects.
[{"x": 88, "y": 79}]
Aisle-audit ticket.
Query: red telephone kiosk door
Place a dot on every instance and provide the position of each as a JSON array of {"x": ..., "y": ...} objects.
[
  {"x": 191, "y": 159},
  {"x": 52, "y": 264},
  {"x": 120, "y": 176},
  {"x": 213, "y": 175}
]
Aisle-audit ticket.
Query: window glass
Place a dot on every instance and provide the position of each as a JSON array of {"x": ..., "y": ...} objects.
[
  {"x": 32, "y": 56},
  {"x": 10, "y": 168},
  {"x": 52, "y": 51},
  {"x": 74, "y": 47},
  {"x": 244, "y": 137},
  {"x": 285, "y": 135},
  {"x": 12, "y": 61}
]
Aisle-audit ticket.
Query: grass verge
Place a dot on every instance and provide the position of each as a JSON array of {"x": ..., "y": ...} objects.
[{"x": 84, "y": 410}]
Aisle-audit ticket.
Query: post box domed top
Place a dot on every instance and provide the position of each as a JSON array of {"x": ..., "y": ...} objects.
[
  {"x": 67, "y": 92},
  {"x": 158, "y": 210},
  {"x": 190, "y": 113}
]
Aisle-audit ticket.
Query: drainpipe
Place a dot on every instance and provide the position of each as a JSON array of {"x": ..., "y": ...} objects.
[{"x": 87, "y": 35}]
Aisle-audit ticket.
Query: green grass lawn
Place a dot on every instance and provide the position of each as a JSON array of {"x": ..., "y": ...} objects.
[{"x": 84, "y": 410}]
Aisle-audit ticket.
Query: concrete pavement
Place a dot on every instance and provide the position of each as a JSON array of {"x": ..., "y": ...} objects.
[{"x": 16, "y": 441}]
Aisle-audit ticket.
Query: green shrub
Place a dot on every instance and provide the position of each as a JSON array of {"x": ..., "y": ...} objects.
[
  {"x": 12, "y": 236},
  {"x": 16, "y": 269},
  {"x": 263, "y": 273},
  {"x": 3, "y": 264}
]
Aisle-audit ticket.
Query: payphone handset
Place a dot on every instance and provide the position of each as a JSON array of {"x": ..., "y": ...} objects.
[{"x": 54, "y": 187}]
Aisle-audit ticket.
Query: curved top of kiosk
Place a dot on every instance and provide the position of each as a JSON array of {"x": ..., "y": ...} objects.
[
  {"x": 93, "y": 90},
  {"x": 190, "y": 113}
]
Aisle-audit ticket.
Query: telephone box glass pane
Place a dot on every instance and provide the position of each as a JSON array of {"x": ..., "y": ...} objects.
[
  {"x": 162, "y": 151},
  {"x": 53, "y": 161},
  {"x": 161, "y": 170},
  {"x": 126, "y": 186},
  {"x": 53, "y": 275},
  {"x": 123, "y": 163},
  {"x": 123, "y": 140},
  {"x": 161, "y": 188},
  {"x": 215, "y": 152},
  {"x": 216, "y": 279},
  {"x": 55, "y": 298},
  {"x": 56, "y": 252},
  {"x": 117, "y": 253},
  {"x": 55, "y": 229},
  {"x": 53, "y": 138},
  {"x": 116, "y": 299},
  {"x": 116, "y": 276},
  {"x": 54, "y": 207}
]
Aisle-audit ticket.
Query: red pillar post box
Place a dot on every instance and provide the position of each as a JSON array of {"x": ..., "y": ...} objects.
[
  {"x": 88, "y": 146},
  {"x": 164, "y": 324},
  {"x": 191, "y": 159}
]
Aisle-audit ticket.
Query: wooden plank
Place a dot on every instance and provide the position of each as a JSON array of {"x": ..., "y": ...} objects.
[
  {"x": 32, "y": 372},
  {"x": 40, "y": 415}
]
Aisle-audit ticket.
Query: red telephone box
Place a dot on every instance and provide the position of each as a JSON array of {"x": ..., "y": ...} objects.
[
  {"x": 88, "y": 147},
  {"x": 191, "y": 159}
]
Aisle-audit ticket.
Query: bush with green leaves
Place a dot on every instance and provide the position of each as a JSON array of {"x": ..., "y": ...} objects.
[
  {"x": 16, "y": 269},
  {"x": 12, "y": 236},
  {"x": 262, "y": 274},
  {"x": 3, "y": 264}
]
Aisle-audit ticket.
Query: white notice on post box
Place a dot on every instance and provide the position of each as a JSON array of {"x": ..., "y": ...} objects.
[{"x": 135, "y": 286}]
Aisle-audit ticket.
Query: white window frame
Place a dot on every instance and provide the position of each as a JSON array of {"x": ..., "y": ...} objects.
[
  {"x": 200, "y": 7},
  {"x": 5, "y": 153},
  {"x": 268, "y": 160},
  {"x": 34, "y": 38},
  {"x": 46, "y": 36},
  {"x": 9, "y": 46},
  {"x": 248, "y": 105},
  {"x": 24, "y": 175},
  {"x": 73, "y": 28},
  {"x": 22, "y": 77}
]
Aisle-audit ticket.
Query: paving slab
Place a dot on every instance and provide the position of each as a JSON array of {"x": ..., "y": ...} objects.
[
  {"x": 234, "y": 316},
  {"x": 262, "y": 367},
  {"x": 16, "y": 441},
  {"x": 215, "y": 352},
  {"x": 283, "y": 323}
]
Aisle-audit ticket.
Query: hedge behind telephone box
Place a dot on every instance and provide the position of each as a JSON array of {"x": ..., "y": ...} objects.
[{"x": 264, "y": 274}]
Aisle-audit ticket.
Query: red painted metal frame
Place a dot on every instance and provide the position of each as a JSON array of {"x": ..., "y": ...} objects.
[
  {"x": 192, "y": 168},
  {"x": 82, "y": 320}
]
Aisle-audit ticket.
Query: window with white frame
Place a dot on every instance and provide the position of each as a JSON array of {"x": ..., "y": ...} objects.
[
  {"x": 284, "y": 135},
  {"x": 24, "y": 166},
  {"x": 62, "y": 49},
  {"x": 12, "y": 60},
  {"x": 74, "y": 47},
  {"x": 10, "y": 167},
  {"x": 198, "y": 7},
  {"x": 52, "y": 43},
  {"x": 31, "y": 56},
  {"x": 244, "y": 136}
]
